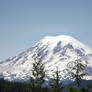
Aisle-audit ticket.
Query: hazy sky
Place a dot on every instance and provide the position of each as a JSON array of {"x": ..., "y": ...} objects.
[{"x": 24, "y": 22}]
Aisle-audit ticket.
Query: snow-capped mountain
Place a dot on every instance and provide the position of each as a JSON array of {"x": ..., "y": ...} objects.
[{"x": 55, "y": 51}]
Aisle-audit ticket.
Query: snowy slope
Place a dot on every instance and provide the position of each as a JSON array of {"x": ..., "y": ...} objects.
[{"x": 55, "y": 51}]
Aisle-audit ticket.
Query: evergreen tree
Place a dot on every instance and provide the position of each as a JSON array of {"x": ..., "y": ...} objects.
[
  {"x": 55, "y": 82},
  {"x": 38, "y": 73},
  {"x": 77, "y": 70}
]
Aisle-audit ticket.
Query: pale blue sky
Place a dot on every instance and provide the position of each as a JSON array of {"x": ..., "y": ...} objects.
[{"x": 24, "y": 22}]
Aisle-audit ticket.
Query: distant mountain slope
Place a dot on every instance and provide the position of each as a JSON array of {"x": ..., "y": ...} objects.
[{"x": 55, "y": 51}]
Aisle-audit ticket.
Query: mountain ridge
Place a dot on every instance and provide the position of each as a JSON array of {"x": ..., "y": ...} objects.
[{"x": 55, "y": 51}]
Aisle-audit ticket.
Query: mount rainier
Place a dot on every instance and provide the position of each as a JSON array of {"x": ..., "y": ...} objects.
[{"x": 55, "y": 51}]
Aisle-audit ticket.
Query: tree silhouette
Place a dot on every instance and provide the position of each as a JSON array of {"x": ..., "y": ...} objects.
[
  {"x": 76, "y": 70},
  {"x": 55, "y": 81},
  {"x": 38, "y": 74}
]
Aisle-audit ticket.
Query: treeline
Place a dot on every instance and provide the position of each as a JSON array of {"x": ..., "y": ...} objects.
[
  {"x": 76, "y": 70},
  {"x": 7, "y": 86}
]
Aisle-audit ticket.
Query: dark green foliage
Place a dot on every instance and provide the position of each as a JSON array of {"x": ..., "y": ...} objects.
[
  {"x": 6, "y": 86},
  {"x": 87, "y": 89},
  {"x": 77, "y": 70},
  {"x": 38, "y": 73},
  {"x": 55, "y": 82},
  {"x": 76, "y": 89},
  {"x": 72, "y": 89}
]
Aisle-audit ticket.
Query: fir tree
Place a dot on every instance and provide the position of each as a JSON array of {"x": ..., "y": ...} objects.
[
  {"x": 77, "y": 70},
  {"x": 55, "y": 82},
  {"x": 38, "y": 73}
]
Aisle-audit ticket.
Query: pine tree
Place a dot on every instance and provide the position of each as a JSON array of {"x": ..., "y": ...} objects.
[
  {"x": 77, "y": 70},
  {"x": 55, "y": 82},
  {"x": 38, "y": 73}
]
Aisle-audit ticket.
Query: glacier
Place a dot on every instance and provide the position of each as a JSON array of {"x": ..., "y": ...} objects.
[{"x": 55, "y": 51}]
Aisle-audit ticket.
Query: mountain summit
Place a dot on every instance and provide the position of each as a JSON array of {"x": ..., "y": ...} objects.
[{"x": 55, "y": 51}]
